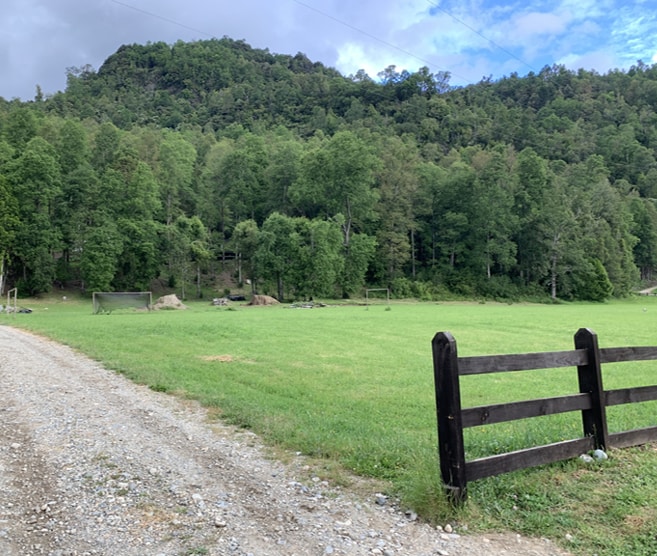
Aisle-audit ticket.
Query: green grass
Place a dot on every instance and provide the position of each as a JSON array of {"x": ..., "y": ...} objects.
[{"x": 353, "y": 386}]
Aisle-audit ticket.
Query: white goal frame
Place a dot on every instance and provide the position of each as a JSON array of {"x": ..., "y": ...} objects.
[
  {"x": 121, "y": 300},
  {"x": 368, "y": 290},
  {"x": 8, "y": 308}
]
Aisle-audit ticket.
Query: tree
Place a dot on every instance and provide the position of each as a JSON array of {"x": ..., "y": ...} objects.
[
  {"x": 557, "y": 235},
  {"x": 429, "y": 211},
  {"x": 189, "y": 250},
  {"x": 337, "y": 178},
  {"x": 593, "y": 284},
  {"x": 281, "y": 173},
  {"x": 35, "y": 179},
  {"x": 318, "y": 266},
  {"x": 492, "y": 218},
  {"x": 277, "y": 251},
  {"x": 98, "y": 263},
  {"x": 644, "y": 217},
  {"x": 9, "y": 223},
  {"x": 73, "y": 147},
  {"x": 214, "y": 206},
  {"x": 21, "y": 126},
  {"x": 397, "y": 185},
  {"x": 245, "y": 239},
  {"x": 605, "y": 222},
  {"x": 533, "y": 184},
  {"x": 243, "y": 174},
  {"x": 356, "y": 262},
  {"x": 139, "y": 261},
  {"x": 176, "y": 171},
  {"x": 105, "y": 145}
]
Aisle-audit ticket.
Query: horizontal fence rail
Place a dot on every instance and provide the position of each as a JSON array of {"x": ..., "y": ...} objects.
[{"x": 591, "y": 400}]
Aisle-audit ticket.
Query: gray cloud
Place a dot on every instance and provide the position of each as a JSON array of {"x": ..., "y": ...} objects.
[{"x": 39, "y": 39}]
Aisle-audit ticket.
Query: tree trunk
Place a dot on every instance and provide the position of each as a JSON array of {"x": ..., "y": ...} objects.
[
  {"x": 553, "y": 278},
  {"x": 279, "y": 283},
  {"x": 413, "y": 271},
  {"x": 488, "y": 272},
  {"x": 555, "y": 258},
  {"x": 2, "y": 273},
  {"x": 346, "y": 227}
]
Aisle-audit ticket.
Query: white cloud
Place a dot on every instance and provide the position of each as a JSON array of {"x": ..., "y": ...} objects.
[
  {"x": 579, "y": 10},
  {"x": 599, "y": 60},
  {"x": 352, "y": 57},
  {"x": 528, "y": 26}
]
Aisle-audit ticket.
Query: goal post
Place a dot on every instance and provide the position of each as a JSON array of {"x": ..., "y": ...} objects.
[
  {"x": 106, "y": 302},
  {"x": 12, "y": 295},
  {"x": 368, "y": 290}
]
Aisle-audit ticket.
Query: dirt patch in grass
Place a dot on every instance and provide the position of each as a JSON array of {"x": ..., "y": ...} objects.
[
  {"x": 220, "y": 358},
  {"x": 637, "y": 522}
]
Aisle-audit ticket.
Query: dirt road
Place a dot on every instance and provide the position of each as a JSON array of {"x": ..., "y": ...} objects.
[{"x": 91, "y": 463}]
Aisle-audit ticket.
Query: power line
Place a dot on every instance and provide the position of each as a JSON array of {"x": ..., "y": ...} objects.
[
  {"x": 461, "y": 22},
  {"x": 378, "y": 39},
  {"x": 307, "y": 6},
  {"x": 172, "y": 21}
]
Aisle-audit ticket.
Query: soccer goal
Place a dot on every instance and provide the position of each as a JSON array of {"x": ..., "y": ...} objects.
[
  {"x": 367, "y": 294},
  {"x": 11, "y": 299},
  {"x": 106, "y": 302}
]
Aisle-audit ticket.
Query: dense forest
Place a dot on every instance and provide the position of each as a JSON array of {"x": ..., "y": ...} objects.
[{"x": 186, "y": 162}]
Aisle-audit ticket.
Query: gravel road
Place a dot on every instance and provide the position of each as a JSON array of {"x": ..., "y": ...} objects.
[{"x": 92, "y": 464}]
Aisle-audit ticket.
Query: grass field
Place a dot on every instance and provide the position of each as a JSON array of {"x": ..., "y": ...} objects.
[{"x": 352, "y": 387}]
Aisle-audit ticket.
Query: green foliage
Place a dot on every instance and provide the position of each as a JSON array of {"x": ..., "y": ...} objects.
[
  {"x": 499, "y": 189},
  {"x": 592, "y": 283},
  {"x": 277, "y": 250},
  {"x": 20, "y": 127},
  {"x": 34, "y": 179},
  {"x": 9, "y": 221},
  {"x": 187, "y": 241},
  {"x": 245, "y": 238},
  {"x": 102, "y": 246},
  {"x": 336, "y": 178},
  {"x": 357, "y": 259}
]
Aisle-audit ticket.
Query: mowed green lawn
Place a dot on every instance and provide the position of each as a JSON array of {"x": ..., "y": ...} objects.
[{"x": 352, "y": 386}]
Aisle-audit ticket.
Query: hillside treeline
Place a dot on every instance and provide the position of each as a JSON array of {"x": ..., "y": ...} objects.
[{"x": 182, "y": 161}]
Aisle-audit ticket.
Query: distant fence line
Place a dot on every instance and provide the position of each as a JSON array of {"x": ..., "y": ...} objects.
[{"x": 591, "y": 400}]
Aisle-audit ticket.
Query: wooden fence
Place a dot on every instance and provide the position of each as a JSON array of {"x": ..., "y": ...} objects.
[{"x": 591, "y": 400}]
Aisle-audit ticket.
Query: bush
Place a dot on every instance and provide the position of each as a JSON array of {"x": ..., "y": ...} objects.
[
  {"x": 402, "y": 288},
  {"x": 498, "y": 287},
  {"x": 592, "y": 283}
]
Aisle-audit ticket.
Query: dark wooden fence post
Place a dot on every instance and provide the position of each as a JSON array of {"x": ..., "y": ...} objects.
[
  {"x": 448, "y": 411},
  {"x": 594, "y": 420}
]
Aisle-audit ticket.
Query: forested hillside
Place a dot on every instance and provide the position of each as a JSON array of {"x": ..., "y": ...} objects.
[{"x": 181, "y": 161}]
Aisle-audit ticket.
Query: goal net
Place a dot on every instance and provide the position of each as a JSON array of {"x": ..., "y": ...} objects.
[
  {"x": 369, "y": 290},
  {"x": 11, "y": 298},
  {"x": 106, "y": 302}
]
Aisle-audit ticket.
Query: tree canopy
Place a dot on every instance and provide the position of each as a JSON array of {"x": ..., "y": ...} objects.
[{"x": 182, "y": 161}]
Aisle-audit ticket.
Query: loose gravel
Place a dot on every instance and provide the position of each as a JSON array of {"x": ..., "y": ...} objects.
[{"x": 93, "y": 464}]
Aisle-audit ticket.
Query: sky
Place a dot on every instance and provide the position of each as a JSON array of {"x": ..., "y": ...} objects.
[{"x": 470, "y": 39}]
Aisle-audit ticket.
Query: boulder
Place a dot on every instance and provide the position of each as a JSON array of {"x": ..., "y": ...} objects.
[
  {"x": 169, "y": 302},
  {"x": 263, "y": 300}
]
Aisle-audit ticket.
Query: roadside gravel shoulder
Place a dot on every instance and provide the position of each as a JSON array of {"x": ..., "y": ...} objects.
[{"x": 93, "y": 464}]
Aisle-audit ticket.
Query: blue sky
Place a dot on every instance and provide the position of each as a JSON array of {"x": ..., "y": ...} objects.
[{"x": 471, "y": 39}]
